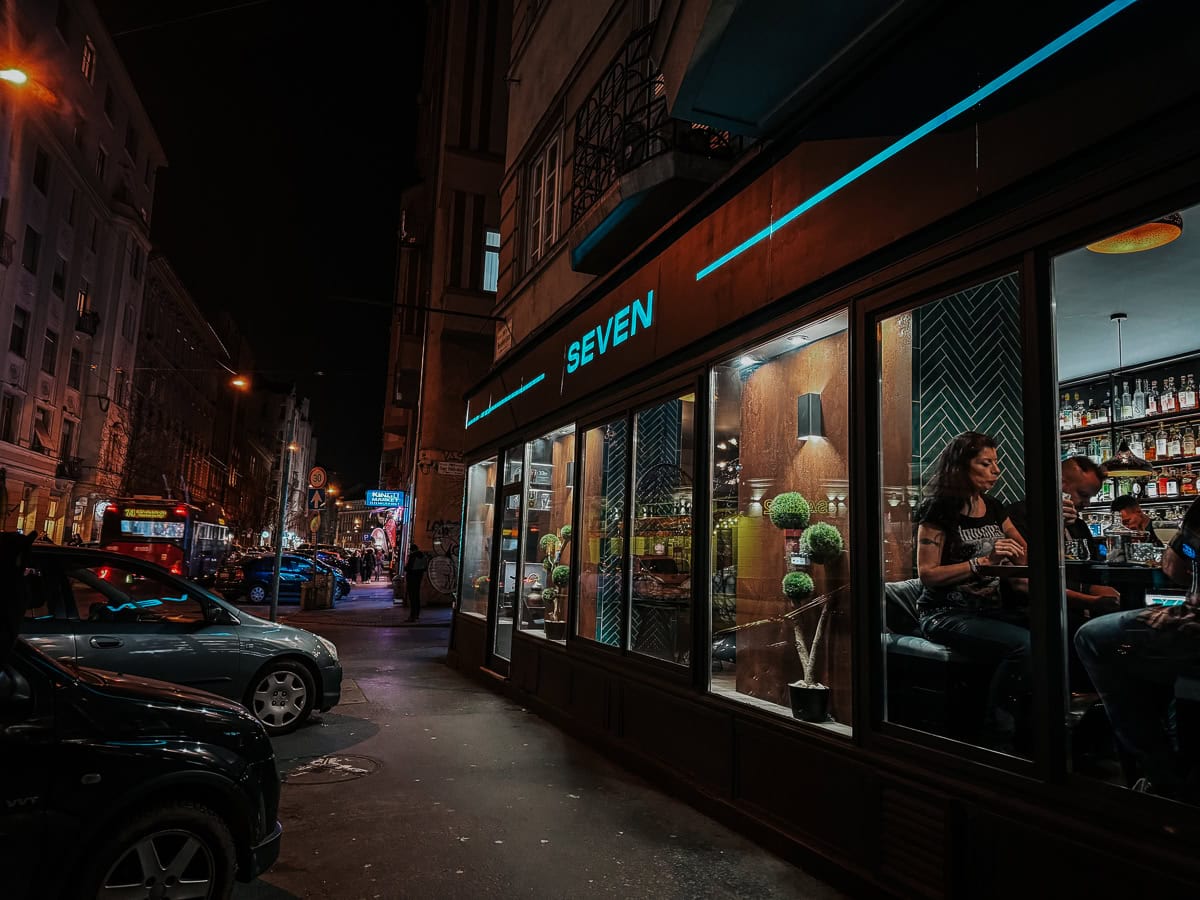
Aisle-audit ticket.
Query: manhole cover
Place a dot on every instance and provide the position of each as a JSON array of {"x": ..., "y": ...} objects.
[{"x": 328, "y": 769}]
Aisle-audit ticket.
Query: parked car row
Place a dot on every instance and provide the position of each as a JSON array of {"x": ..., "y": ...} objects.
[{"x": 249, "y": 578}]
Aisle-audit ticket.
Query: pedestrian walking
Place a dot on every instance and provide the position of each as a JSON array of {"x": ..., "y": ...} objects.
[
  {"x": 414, "y": 574},
  {"x": 354, "y": 563},
  {"x": 378, "y": 565},
  {"x": 368, "y": 565}
]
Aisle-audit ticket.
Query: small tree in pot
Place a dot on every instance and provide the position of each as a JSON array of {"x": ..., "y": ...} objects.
[
  {"x": 790, "y": 511},
  {"x": 809, "y": 698},
  {"x": 823, "y": 542},
  {"x": 556, "y": 623}
]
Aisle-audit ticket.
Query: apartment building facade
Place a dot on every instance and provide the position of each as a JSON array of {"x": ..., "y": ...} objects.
[{"x": 75, "y": 202}]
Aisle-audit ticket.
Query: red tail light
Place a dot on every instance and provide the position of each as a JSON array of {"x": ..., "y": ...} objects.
[
  {"x": 105, "y": 572},
  {"x": 111, "y": 508},
  {"x": 177, "y": 568},
  {"x": 181, "y": 510}
]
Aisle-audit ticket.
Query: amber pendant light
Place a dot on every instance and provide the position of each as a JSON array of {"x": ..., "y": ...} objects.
[{"x": 1143, "y": 237}]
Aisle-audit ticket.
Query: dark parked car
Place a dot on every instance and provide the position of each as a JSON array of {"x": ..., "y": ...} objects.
[
  {"x": 249, "y": 578},
  {"x": 101, "y": 609},
  {"x": 126, "y": 787}
]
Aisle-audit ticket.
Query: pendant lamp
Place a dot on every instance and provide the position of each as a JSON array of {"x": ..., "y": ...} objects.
[
  {"x": 1143, "y": 237},
  {"x": 1125, "y": 463}
]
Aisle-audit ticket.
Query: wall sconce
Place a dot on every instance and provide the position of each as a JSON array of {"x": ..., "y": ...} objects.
[{"x": 808, "y": 417}]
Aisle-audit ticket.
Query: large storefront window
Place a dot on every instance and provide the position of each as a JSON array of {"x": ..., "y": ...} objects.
[
  {"x": 549, "y": 506},
  {"x": 955, "y": 607},
  {"x": 661, "y": 541},
  {"x": 1129, "y": 415},
  {"x": 601, "y": 544},
  {"x": 476, "y": 565},
  {"x": 511, "y": 574},
  {"x": 780, "y": 568}
]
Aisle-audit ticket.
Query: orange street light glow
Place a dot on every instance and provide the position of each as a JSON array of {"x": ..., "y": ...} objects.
[
  {"x": 239, "y": 382},
  {"x": 16, "y": 76}
]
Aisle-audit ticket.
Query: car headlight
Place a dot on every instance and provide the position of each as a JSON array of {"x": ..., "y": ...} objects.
[{"x": 329, "y": 645}]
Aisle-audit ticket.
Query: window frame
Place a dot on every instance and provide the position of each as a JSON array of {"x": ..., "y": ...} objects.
[
  {"x": 75, "y": 369},
  {"x": 11, "y": 406},
  {"x": 537, "y": 245},
  {"x": 40, "y": 176},
  {"x": 491, "y": 261},
  {"x": 21, "y": 348},
  {"x": 88, "y": 62},
  {"x": 50, "y": 350},
  {"x": 31, "y": 250}
]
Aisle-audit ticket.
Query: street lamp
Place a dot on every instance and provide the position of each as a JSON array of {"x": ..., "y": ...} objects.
[
  {"x": 20, "y": 78},
  {"x": 15, "y": 76}
]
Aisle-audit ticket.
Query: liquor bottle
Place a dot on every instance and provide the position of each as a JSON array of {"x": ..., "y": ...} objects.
[
  {"x": 1106, "y": 447},
  {"x": 1185, "y": 401},
  {"x": 1081, "y": 418},
  {"x": 1160, "y": 443},
  {"x": 1187, "y": 484},
  {"x": 1126, "y": 402},
  {"x": 1152, "y": 489},
  {"x": 1136, "y": 445},
  {"x": 1168, "y": 402},
  {"x": 1188, "y": 397},
  {"x": 1175, "y": 444},
  {"x": 1189, "y": 441},
  {"x": 1139, "y": 401},
  {"x": 1103, "y": 413},
  {"x": 1064, "y": 414},
  {"x": 1162, "y": 483},
  {"x": 1172, "y": 483},
  {"x": 1152, "y": 405}
]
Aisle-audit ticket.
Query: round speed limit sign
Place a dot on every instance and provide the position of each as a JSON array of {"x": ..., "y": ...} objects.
[{"x": 317, "y": 477}]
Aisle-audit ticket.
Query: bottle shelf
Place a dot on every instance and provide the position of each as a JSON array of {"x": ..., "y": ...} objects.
[
  {"x": 1085, "y": 432},
  {"x": 1174, "y": 461},
  {"x": 1165, "y": 418}
]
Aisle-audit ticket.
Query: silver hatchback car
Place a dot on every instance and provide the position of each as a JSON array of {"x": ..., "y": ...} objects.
[{"x": 106, "y": 611}]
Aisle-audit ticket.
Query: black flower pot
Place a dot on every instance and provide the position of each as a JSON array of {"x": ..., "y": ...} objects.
[
  {"x": 556, "y": 631},
  {"x": 809, "y": 704}
]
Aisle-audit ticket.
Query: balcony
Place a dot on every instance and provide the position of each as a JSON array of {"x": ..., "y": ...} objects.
[
  {"x": 70, "y": 468},
  {"x": 88, "y": 322},
  {"x": 635, "y": 166}
]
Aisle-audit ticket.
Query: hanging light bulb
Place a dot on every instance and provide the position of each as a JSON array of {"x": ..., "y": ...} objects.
[{"x": 1143, "y": 237}]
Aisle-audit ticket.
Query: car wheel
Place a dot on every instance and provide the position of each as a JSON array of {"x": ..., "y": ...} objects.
[
  {"x": 281, "y": 696},
  {"x": 257, "y": 593},
  {"x": 181, "y": 850}
]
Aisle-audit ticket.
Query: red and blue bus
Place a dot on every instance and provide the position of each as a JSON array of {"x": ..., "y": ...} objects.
[{"x": 186, "y": 539}]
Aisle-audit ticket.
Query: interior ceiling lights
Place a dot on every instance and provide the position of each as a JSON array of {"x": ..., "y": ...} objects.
[
  {"x": 1125, "y": 463},
  {"x": 1143, "y": 237}
]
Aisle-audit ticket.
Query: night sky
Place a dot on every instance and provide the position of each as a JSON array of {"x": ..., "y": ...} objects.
[{"x": 288, "y": 128}]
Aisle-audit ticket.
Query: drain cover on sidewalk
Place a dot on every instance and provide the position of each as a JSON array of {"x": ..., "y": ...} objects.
[{"x": 328, "y": 769}]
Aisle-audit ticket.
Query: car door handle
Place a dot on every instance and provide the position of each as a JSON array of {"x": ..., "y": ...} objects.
[{"x": 105, "y": 643}]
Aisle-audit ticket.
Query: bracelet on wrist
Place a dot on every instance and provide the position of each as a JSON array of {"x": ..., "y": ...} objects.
[{"x": 973, "y": 562}]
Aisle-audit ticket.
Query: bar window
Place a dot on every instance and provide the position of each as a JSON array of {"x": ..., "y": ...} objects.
[
  {"x": 955, "y": 607},
  {"x": 476, "y": 566},
  {"x": 549, "y": 508},
  {"x": 781, "y": 616},
  {"x": 511, "y": 569},
  {"x": 1128, "y": 420},
  {"x": 660, "y": 623},
  {"x": 601, "y": 545}
]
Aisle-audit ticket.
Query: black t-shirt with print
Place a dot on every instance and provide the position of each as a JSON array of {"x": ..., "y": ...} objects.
[{"x": 967, "y": 537}]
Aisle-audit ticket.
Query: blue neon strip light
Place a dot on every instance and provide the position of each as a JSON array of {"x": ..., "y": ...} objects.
[
  {"x": 499, "y": 403},
  {"x": 1063, "y": 40}
]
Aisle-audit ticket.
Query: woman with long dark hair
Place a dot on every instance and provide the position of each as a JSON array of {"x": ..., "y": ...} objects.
[{"x": 961, "y": 530}]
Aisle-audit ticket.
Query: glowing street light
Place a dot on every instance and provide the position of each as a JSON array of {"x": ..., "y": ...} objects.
[
  {"x": 239, "y": 382},
  {"x": 15, "y": 76}
]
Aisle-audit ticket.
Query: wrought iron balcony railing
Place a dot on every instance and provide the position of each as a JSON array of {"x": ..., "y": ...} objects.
[
  {"x": 71, "y": 467},
  {"x": 623, "y": 123}
]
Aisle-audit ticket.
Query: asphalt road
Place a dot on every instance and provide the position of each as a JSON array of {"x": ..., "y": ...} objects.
[{"x": 455, "y": 791}]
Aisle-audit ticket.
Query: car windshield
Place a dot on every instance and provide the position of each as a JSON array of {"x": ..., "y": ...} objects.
[{"x": 660, "y": 565}]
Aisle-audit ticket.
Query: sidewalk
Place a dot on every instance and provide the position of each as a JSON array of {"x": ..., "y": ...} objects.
[{"x": 368, "y": 604}]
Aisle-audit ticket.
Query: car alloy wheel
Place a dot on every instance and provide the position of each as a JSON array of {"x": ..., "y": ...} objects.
[
  {"x": 257, "y": 593},
  {"x": 170, "y": 863},
  {"x": 282, "y": 697}
]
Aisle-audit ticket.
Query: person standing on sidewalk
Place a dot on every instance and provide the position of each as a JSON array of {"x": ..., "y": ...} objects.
[{"x": 414, "y": 574}]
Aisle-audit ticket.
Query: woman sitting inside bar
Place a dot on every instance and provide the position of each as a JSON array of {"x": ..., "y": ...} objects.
[{"x": 961, "y": 531}]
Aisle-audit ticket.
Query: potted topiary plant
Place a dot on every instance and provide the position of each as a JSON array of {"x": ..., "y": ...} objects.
[
  {"x": 556, "y": 623},
  {"x": 790, "y": 511},
  {"x": 823, "y": 542},
  {"x": 809, "y": 698}
]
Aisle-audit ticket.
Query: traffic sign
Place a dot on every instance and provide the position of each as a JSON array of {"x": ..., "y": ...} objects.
[
  {"x": 317, "y": 477},
  {"x": 316, "y": 498},
  {"x": 314, "y": 524}
]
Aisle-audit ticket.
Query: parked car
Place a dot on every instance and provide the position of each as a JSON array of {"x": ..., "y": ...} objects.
[
  {"x": 667, "y": 570},
  {"x": 100, "y": 609},
  {"x": 127, "y": 787},
  {"x": 250, "y": 578}
]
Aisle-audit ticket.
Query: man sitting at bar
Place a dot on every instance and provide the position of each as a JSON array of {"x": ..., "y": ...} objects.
[
  {"x": 1134, "y": 659},
  {"x": 1081, "y": 481},
  {"x": 1133, "y": 518}
]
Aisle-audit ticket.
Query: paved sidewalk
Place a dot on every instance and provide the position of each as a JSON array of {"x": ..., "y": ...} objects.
[{"x": 369, "y": 604}]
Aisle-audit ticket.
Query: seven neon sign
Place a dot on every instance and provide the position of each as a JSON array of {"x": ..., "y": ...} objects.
[{"x": 620, "y": 327}]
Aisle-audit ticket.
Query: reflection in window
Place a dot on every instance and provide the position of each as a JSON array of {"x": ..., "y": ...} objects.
[
  {"x": 780, "y": 573},
  {"x": 957, "y": 639},
  {"x": 549, "y": 505},
  {"x": 661, "y": 541},
  {"x": 476, "y": 564},
  {"x": 601, "y": 545},
  {"x": 510, "y": 552}
]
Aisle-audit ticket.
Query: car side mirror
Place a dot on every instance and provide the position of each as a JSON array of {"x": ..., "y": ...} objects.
[{"x": 213, "y": 614}]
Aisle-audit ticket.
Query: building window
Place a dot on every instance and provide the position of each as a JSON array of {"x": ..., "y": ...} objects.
[
  {"x": 78, "y": 135},
  {"x": 543, "y": 201},
  {"x": 58, "y": 281},
  {"x": 136, "y": 258},
  {"x": 50, "y": 352},
  {"x": 129, "y": 323},
  {"x": 491, "y": 260},
  {"x": 83, "y": 299},
  {"x": 31, "y": 250},
  {"x": 66, "y": 441},
  {"x": 110, "y": 103},
  {"x": 547, "y": 548},
  {"x": 101, "y": 162},
  {"x": 41, "y": 430},
  {"x": 41, "y": 170},
  {"x": 88, "y": 66},
  {"x": 476, "y": 564},
  {"x": 120, "y": 380},
  {"x": 73, "y": 207},
  {"x": 20, "y": 327},
  {"x": 779, "y": 572},
  {"x": 602, "y": 534},
  {"x": 50, "y": 525},
  {"x": 131, "y": 141},
  {"x": 75, "y": 369},
  {"x": 10, "y": 417}
]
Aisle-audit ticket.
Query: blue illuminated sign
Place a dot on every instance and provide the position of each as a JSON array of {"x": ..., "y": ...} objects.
[
  {"x": 1066, "y": 38},
  {"x": 499, "y": 403},
  {"x": 619, "y": 328},
  {"x": 385, "y": 498}
]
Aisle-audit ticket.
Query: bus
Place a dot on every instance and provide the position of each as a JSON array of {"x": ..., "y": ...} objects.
[{"x": 184, "y": 538}]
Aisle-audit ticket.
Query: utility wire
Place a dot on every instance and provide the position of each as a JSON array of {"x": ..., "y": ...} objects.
[{"x": 194, "y": 16}]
